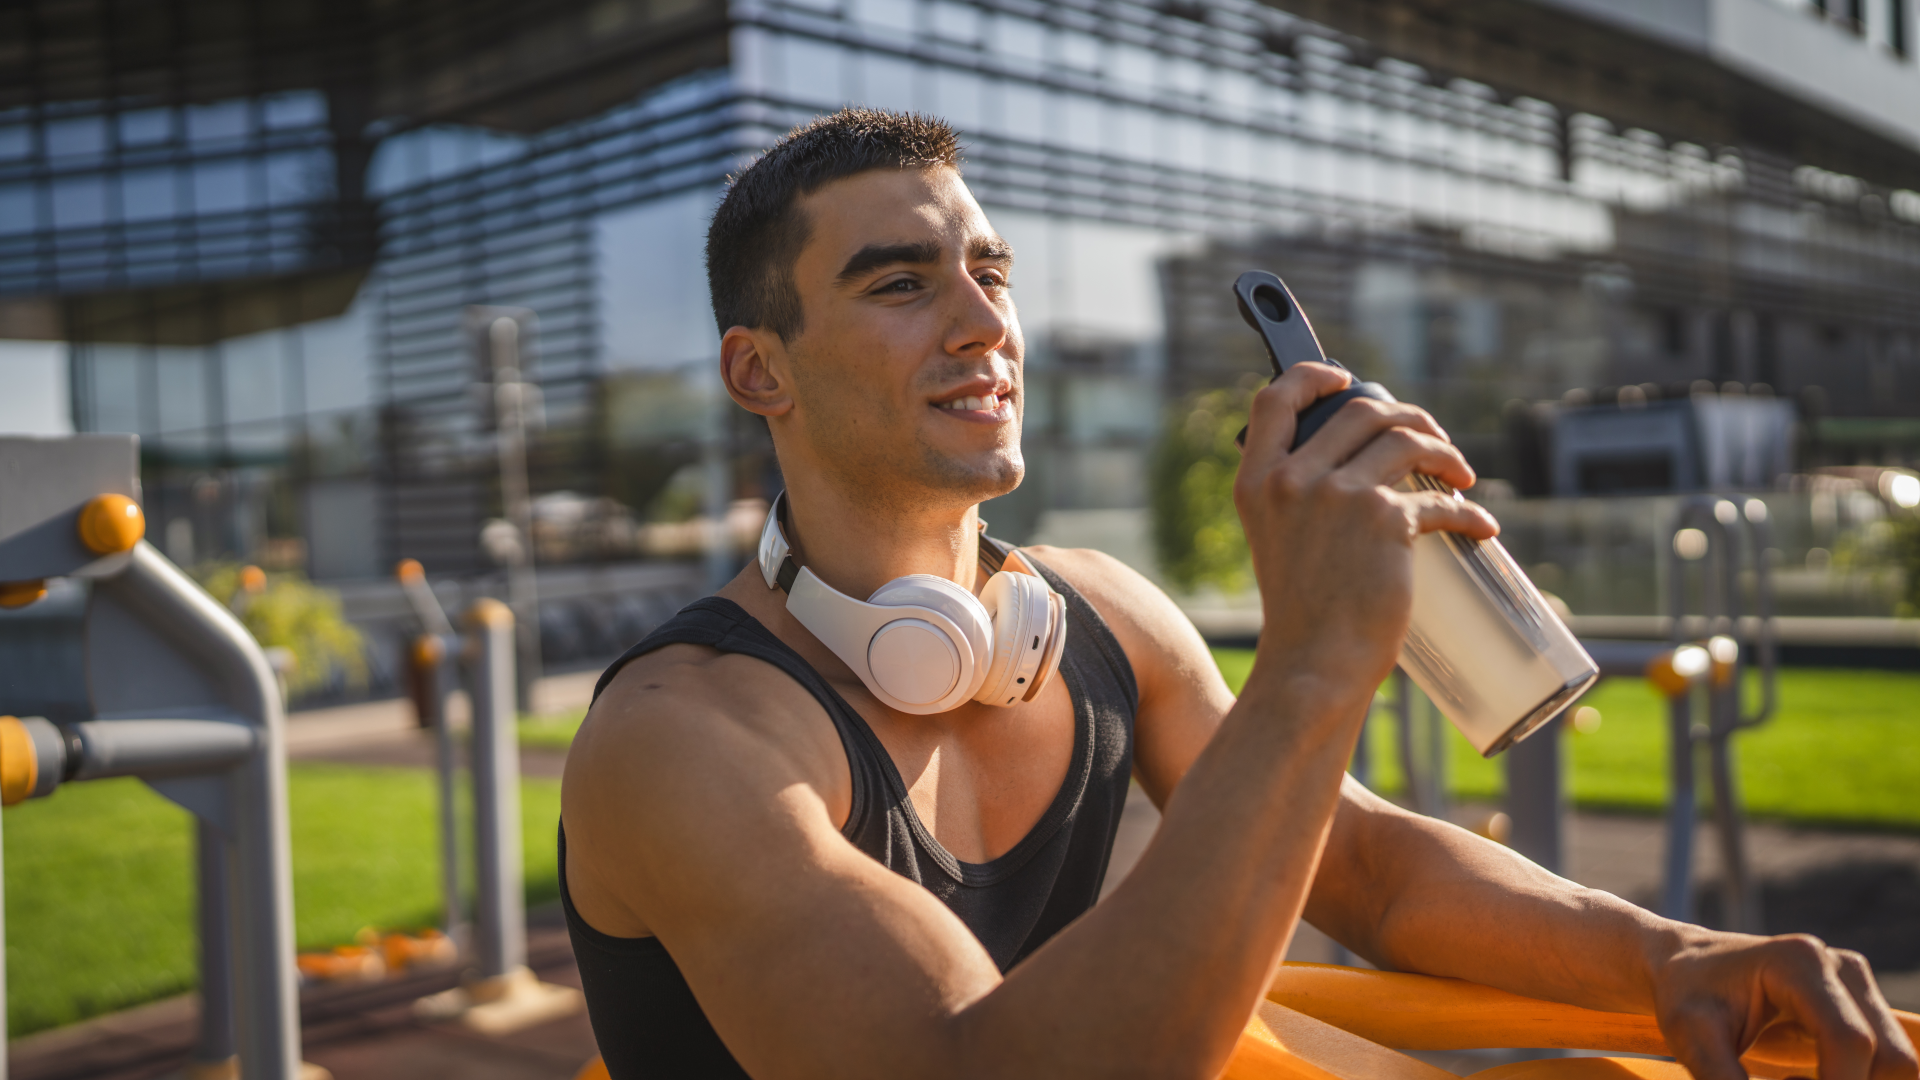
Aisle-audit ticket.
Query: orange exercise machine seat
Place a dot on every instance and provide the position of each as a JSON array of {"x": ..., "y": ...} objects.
[{"x": 1322, "y": 1022}]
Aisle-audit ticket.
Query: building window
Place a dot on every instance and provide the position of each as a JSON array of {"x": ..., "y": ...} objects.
[{"x": 1673, "y": 332}]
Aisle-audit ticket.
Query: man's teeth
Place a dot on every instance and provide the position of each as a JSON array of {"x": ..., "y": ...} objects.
[{"x": 988, "y": 403}]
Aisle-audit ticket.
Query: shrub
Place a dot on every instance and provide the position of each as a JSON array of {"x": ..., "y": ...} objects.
[
  {"x": 1196, "y": 530},
  {"x": 294, "y": 614}
]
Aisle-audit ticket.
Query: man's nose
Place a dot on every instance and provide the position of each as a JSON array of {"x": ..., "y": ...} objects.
[{"x": 979, "y": 325}]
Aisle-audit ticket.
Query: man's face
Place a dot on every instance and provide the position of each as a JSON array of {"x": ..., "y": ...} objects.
[{"x": 907, "y": 372}]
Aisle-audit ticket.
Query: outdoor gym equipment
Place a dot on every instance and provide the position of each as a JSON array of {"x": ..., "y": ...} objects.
[
  {"x": 502, "y": 994},
  {"x": 428, "y": 655},
  {"x": 153, "y": 678},
  {"x": 1714, "y": 520},
  {"x": 1702, "y": 659}
]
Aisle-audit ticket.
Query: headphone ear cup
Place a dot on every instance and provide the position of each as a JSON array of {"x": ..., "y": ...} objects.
[
  {"x": 1056, "y": 644},
  {"x": 958, "y": 605},
  {"x": 1021, "y": 608}
]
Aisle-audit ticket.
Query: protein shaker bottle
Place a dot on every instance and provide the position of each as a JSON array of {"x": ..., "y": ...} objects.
[{"x": 1483, "y": 644}]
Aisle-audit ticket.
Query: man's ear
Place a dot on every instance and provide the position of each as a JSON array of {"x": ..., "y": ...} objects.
[{"x": 747, "y": 368}]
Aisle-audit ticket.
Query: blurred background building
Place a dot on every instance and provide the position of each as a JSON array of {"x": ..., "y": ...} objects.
[{"x": 254, "y": 230}]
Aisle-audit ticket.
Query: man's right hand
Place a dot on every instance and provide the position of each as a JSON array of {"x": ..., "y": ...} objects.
[{"x": 1331, "y": 537}]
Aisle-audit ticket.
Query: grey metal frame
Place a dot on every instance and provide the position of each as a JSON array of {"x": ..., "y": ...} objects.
[
  {"x": 1721, "y": 606},
  {"x": 178, "y": 693},
  {"x": 173, "y": 649}
]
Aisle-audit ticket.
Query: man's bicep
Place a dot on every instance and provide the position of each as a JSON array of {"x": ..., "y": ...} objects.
[{"x": 798, "y": 946}]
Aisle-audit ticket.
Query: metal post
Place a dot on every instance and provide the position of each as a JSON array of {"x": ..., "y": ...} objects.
[
  {"x": 1536, "y": 797},
  {"x": 1362, "y": 764},
  {"x": 502, "y": 995},
  {"x": 136, "y": 663},
  {"x": 500, "y": 930},
  {"x": 3, "y": 967},
  {"x": 429, "y": 657},
  {"x": 1740, "y": 900},
  {"x": 1437, "y": 728},
  {"x": 1677, "y": 893},
  {"x": 215, "y": 1048},
  {"x": 1403, "y": 740},
  {"x": 510, "y": 394}
]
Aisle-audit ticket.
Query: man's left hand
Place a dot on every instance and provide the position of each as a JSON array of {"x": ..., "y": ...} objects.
[{"x": 1717, "y": 992}]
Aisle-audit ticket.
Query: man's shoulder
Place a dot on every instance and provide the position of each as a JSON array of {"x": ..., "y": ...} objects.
[
  {"x": 690, "y": 705},
  {"x": 1150, "y": 626},
  {"x": 1115, "y": 589}
]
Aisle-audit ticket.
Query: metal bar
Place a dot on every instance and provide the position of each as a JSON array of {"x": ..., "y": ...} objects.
[
  {"x": 1677, "y": 891},
  {"x": 1403, "y": 740},
  {"x": 1536, "y": 797},
  {"x": 446, "y": 765},
  {"x": 500, "y": 925},
  {"x": 3, "y": 966},
  {"x": 1361, "y": 765},
  {"x": 156, "y": 749},
  {"x": 1740, "y": 897},
  {"x": 1437, "y": 727},
  {"x": 511, "y": 392},
  {"x": 267, "y": 1019},
  {"x": 214, "y": 918}
]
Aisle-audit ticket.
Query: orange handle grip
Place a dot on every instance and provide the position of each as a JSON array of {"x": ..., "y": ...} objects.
[{"x": 1420, "y": 1012}]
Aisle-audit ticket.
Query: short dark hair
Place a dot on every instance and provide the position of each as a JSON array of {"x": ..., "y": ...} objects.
[{"x": 758, "y": 231}]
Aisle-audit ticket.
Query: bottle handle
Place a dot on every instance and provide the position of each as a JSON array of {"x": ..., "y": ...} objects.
[{"x": 1268, "y": 306}]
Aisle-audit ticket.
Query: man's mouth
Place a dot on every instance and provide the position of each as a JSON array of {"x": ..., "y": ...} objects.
[{"x": 989, "y": 403}]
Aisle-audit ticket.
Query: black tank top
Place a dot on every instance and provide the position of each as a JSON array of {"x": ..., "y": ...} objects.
[{"x": 644, "y": 1015}]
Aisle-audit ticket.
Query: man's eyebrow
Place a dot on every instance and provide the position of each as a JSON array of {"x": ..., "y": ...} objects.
[
  {"x": 874, "y": 256},
  {"x": 990, "y": 247}
]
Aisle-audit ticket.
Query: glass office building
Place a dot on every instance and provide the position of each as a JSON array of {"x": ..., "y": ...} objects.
[{"x": 268, "y": 276}]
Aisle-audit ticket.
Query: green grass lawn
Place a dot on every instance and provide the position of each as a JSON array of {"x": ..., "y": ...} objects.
[
  {"x": 1843, "y": 748},
  {"x": 553, "y": 732},
  {"x": 99, "y": 890}
]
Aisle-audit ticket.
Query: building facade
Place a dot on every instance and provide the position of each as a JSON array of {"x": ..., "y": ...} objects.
[{"x": 260, "y": 228}]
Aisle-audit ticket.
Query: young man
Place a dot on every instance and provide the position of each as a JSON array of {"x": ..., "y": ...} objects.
[{"x": 771, "y": 873}]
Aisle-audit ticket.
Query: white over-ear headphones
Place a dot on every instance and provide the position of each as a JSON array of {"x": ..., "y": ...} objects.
[{"x": 923, "y": 644}]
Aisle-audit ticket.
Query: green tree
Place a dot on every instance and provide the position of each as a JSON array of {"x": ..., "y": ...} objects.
[
  {"x": 1904, "y": 546},
  {"x": 294, "y": 614},
  {"x": 1196, "y": 530}
]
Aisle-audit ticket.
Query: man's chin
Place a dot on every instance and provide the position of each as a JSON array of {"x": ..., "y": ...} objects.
[{"x": 977, "y": 477}]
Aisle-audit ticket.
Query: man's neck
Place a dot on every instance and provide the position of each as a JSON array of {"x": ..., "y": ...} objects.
[{"x": 858, "y": 544}]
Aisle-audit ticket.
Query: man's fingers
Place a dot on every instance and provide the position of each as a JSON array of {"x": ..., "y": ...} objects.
[
  {"x": 1398, "y": 451},
  {"x": 1703, "y": 1042},
  {"x": 1437, "y": 511},
  {"x": 1275, "y": 415},
  {"x": 1358, "y": 423},
  {"x": 1893, "y": 1052},
  {"x": 1815, "y": 995}
]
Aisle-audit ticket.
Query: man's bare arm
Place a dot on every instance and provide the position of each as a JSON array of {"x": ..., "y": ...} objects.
[{"x": 1416, "y": 894}]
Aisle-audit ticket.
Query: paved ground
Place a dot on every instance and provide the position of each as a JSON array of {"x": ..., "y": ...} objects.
[
  {"x": 1857, "y": 889},
  {"x": 357, "y": 1033},
  {"x": 1860, "y": 890}
]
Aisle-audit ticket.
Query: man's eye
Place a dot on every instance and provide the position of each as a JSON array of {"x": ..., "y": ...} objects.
[
  {"x": 904, "y": 285},
  {"x": 993, "y": 280}
]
